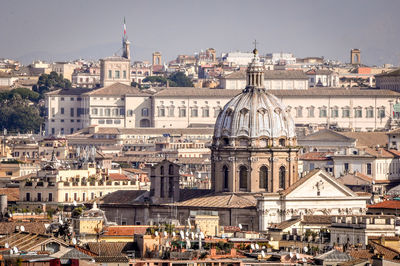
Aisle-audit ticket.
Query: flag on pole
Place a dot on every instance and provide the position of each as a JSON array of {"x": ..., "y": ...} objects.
[{"x": 124, "y": 27}]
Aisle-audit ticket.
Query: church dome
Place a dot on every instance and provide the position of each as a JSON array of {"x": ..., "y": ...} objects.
[{"x": 254, "y": 113}]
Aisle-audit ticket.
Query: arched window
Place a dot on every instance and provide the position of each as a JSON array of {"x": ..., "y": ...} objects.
[
  {"x": 243, "y": 177},
  {"x": 225, "y": 173},
  {"x": 162, "y": 170},
  {"x": 282, "y": 177},
  {"x": 171, "y": 169},
  {"x": 264, "y": 177}
]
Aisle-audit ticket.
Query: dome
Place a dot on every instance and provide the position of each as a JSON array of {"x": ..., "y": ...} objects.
[{"x": 255, "y": 113}]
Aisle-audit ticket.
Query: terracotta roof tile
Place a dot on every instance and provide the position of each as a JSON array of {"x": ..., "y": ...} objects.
[
  {"x": 387, "y": 204},
  {"x": 118, "y": 89},
  {"x": 125, "y": 230},
  {"x": 367, "y": 139},
  {"x": 118, "y": 177},
  {"x": 315, "y": 156},
  {"x": 221, "y": 200},
  {"x": 12, "y": 193}
]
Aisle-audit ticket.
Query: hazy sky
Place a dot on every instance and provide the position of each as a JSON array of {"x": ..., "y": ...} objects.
[{"x": 92, "y": 29}]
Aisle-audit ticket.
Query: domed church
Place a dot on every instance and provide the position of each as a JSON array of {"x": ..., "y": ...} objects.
[{"x": 254, "y": 146}]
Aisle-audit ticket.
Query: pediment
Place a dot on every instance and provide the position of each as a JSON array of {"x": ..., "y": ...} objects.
[{"x": 319, "y": 184}]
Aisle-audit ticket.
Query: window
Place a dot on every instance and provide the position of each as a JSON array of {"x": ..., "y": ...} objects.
[
  {"x": 243, "y": 177},
  {"x": 206, "y": 112},
  {"x": 101, "y": 121},
  {"x": 322, "y": 112},
  {"x": 115, "y": 112},
  {"x": 282, "y": 177},
  {"x": 171, "y": 111},
  {"x": 145, "y": 112},
  {"x": 62, "y": 110},
  {"x": 117, "y": 121},
  {"x": 194, "y": 112},
  {"x": 171, "y": 187},
  {"x": 117, "y": 74},
  {"x": 50, "y": 196},
  {"x": 282, "y": 142},
  {"x": 124, "y": 74},
  {"x": 358, "y": 112},
  {"x": 171, "y": 169},
  {"x": 66, "y": 197},
  {"x": 72, "y": 112},
  {"x": 217, "y": 110},
  {"x": 53, "y": 131},
  {"x": 381, "y": 112},
  {"x": 299, "y": 111},
  {"x": 109, "y": 121},
  {"x": 109, "y": 74},
  {"x": 162, "y": 187},
  {"x": 182, "y": 112},
  {"x": 346, "y": 112},
  {"x": 84, "y": 196},
  {"x": 335, "y": 112},
  {"x": 369, "y": 112},
  {"x": 263, "y": 182},
  {"x": 53, "y": 111},
  {"x": 121, "y": 111},
  {"x": 62, "y": 99},
  {"x": 62, "y": 130},
  {"x": 94, "y": 111},
  {"x": 161, "y": 111},
  {"x": 311, "y": 111},
  {"x": 28, "y": 196},
  {"x": 346, "y": 167},
  {"x": 71, "y": 130},
  {"x": 129, "y": 113},
  {"x": 107, "y": 112},
  {"x": 72, "y": 98},
  {"x": 62, "y": 120},
  {"x": 369, "y": 169},
  {"x": 92, "y": 195},
  {"x": 225, "y": 173}
]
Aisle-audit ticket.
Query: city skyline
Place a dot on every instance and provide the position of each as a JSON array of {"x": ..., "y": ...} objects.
[{"x": 306, "y": 28}]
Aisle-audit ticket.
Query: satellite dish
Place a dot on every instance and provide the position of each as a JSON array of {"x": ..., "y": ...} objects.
[
  {"x": 297, "y": 256},
  {"x": 263, "y": 247},
  {"x": 305, "y": 249},
  {"x": 15, "y": 249},
  {"x": 11, "y": 252},
  {"x": 257, "y": 246},
  {"x": 202, "y": 235},
  {"x": 22, "y": 228},
  {"x": 75, "y": 204},
  {"x": 240, "y": 226},
  {"x": 10, "y": 215},
  {"x": 252, "y": 246},
  {"x": 187, "y": 233},
  {"x": 74, "y": 241},
  {"x": 6, "y": 245},
  {"x": 192, "y": 235},
  {"x": 61, "y": 222},
  {"x": 188, "y": 243},
  {"x": 173, "y": 234},
  {"x": 304, "y": 260},
  {"x": 165, "y": 234},
  {"x": 156, "y": 233},
  {"x": 182, "y": 234},
  {"x": 262, "y": 253},
  {"x": 291, "y": 254},
  {"x": 46, "y": 226}
]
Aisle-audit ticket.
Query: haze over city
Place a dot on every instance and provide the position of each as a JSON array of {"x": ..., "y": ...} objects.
[{"x": 66, "y": 30}]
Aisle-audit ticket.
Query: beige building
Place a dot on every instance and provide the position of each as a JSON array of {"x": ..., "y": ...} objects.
[
  {"x": 273, "y": 80},
  {"x": 388, "y": 81},
  {"x": 64, "y": 68}
]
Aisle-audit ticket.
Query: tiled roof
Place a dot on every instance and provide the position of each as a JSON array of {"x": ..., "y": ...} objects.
[
  {"x": 334, "y": 255},
  {"x": 66, "y": 92},
  {"x": 220, "y": 200},
  {"x": 367, "y": 139},
  {"x": 319, "y": 72},
  {"x": 7, "y": 228},
  {"x": 125, "y": 230},
  {"x": 122, "y": 197},
  {"x": 326, "y": 135},
  {"x": 376, "y": 248},
  {"x": 315, "y": 156},
  {"x": 12, "y": 193},
  {"x": 118, "y": 177},
  {"x": 110, "y": 249},
  {"x": 76, "y": 254},
  {"x": 317, "y": 219},
  {"x": 355, "y": 179},
  {"x": 231, "y": 229},
  {"x": 271, "y": 74},
  {"x": 394, "y": 73},
  {"x": 379, "y": 153},
  {"x": 285, "y": 224},
  {"x": 387, "y": 204},
  {"x": 117, "y": 89}
]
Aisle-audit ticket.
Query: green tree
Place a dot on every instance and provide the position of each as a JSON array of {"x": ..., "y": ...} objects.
[
  {"x": 49, "y": 82},
  {"x": 156, "y": 79},
  {"x": 179, "y": 79}
]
